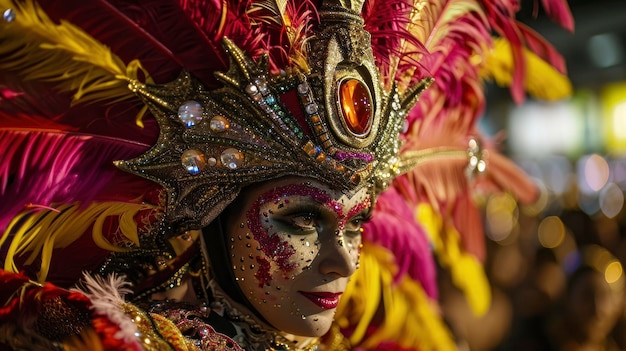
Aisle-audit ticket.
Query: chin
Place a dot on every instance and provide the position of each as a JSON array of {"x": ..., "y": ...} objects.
[{"x": 315, "y": 325}]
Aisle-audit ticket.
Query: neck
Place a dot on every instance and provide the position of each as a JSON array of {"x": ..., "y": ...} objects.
[{"x": 258, "y": 332}]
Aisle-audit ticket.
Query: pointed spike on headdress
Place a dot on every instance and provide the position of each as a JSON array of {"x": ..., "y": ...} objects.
[
  {"x": 412, "y": 159},
  {"x": 354, "y": 5},
  {"x": 412, "y": 95},
  {"x": 238, "y": 60}
]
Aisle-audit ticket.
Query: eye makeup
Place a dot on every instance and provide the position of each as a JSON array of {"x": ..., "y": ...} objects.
[{"x": 297, "y": 210}]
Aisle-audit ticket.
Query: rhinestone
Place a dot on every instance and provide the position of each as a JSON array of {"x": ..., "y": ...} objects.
[
  {"x": 232, "y": 158},
  {"x": 356, "y": 106},
  {"x": 190, "y": 113},
  {"x": 211, "y": 161},
  {"x": 473, "y": 146},
  {"x": 311, "y": 108},
  {"x": 303, "y": 88},
  {"x": 473, "y": 161},
  {"x": 203, "y": 332},
  {"x": 257, "y": 97},
  {"x": 270, "y": 99},
  {"x": 262, "y": 84},
  {"x": 219, "y": 124},
  {"x": 193, "y": 161},
  {"x": 482, "y": 166},
  {"x": 405, "y": 126},
  {"x": 251, "y": 89},
  {"x": 9, "y": 15}
]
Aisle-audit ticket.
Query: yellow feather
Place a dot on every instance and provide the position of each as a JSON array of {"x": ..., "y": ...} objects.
[
  {"x": 467, "y": 272},
  {"x": 410, "y": 319},
  {"x": 39, "y": 233},
  {"x": 542, "y": 80},
  {"x": 276, "y": 10},
  {"x": 359, "y": 309},
  {"x": 39, "y": 49}
]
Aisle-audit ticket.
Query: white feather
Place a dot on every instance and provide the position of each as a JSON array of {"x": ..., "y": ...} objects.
[{"x": 107, "y": 298}]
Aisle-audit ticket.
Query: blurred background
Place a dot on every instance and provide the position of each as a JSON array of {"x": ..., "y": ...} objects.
[{"x": 555, "y": 266}]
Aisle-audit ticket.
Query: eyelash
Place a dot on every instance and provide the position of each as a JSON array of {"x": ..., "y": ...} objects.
[
  {"x": 357, "y": 221},
  {"x": 308, "y": 218},
  {"x": 312, "y": 215},
  {"x": 309, "y": 214}
]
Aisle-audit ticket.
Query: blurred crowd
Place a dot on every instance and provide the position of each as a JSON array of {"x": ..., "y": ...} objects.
[{"x": 557, "y": 284}]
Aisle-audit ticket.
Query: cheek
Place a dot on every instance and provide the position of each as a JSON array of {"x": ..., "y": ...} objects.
[
  {"x": 246, "y": 263},
  {"x": 264, "y": 260},
  {"x": 278, "y": 250},
  {"x": 306, "y": 249},
  {"x": 354, "y": 246}
]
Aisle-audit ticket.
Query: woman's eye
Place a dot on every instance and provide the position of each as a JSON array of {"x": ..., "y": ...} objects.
[
  {"x": 354, "y": 225},
  {"x": 304, "y": 221}
]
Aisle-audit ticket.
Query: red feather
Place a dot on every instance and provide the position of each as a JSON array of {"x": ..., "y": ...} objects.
[
  {"x": 393, "y": 227},
  {"x": 44, "y": 167},
  {"x": 23, "y": 300},
  {"x": 501, "y": 14},
  {"x": 559, "y": 11},
  {"x": 543, "y": 49},
  {"x": 388, "y": 23},
  {"x": 124, "y": 36}
]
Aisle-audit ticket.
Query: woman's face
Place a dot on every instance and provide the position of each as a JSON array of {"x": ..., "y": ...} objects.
[{"x": 294, "y": 245}]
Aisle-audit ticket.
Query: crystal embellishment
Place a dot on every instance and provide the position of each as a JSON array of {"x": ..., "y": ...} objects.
[
  {"x": 232, "y": 158},
  {"x": 9, "y": 15},
  {"x": 219, "y": 124},
  {"x": 190, "y": 113},
  {"x": 356, "y": 106},
  {"x": 194, "y": 161}
]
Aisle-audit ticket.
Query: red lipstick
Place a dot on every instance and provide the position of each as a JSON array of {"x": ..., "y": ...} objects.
[{"x": 325, "y": 300}]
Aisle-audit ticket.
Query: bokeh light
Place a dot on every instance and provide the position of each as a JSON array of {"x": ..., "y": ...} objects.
[
  {"x": 551, "y": 232},
  {"x": 593, "y": 173},
  {"x": 611, "y": 200},
  {"x": 501, "y": 216},
  {"x": 613, "y": 272}
]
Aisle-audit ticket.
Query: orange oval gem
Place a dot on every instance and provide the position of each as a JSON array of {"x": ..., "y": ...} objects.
[{"x": 356, "y": 106}]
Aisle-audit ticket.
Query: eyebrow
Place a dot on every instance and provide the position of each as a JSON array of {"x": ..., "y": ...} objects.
[
  {"x": 317, "y": 195},
  {"x": 312, "y": 192}
]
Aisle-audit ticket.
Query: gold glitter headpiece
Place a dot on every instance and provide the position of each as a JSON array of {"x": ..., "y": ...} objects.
[{"x": 333, "y": 123}]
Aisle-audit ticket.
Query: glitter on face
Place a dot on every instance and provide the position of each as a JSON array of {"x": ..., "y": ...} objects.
[
  {"x": 289, "y": 244},
  {"x": 272, "y": 245},
  {"x": 263, "y": 273},
  {"x": 281, "y": 251}
]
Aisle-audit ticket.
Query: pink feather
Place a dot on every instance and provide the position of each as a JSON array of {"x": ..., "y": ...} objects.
[
  {"x": 394, "y": 228},
  {"x": 388, "y": 23},
  {"x": 122, "y": 33},
  {"x": 559, "y": 11},
  {"x": 543, "y": 49},
  {"x": 44, "y": 167}
]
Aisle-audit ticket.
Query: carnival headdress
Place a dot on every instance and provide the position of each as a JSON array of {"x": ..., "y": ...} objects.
[{"x": 200, "y": 99}]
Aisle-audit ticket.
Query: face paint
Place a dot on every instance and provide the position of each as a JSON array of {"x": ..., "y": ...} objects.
[{"x": 294, "y": 246}]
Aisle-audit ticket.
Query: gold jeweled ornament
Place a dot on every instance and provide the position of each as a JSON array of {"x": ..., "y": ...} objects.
[
  {"x": 356, "y": 106},
  {"x": 214, "y": 143}
]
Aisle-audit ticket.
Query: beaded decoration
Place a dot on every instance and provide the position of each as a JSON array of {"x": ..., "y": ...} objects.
[{"x": 333, "y": 124}]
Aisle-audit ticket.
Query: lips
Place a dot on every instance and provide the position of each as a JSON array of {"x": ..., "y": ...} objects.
[{"x": 325, "y": 300}]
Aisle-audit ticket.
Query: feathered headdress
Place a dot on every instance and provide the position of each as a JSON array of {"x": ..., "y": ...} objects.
[{"x": 87, "y": 84}]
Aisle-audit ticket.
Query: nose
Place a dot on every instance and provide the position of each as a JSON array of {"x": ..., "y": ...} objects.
[{"x": 337, "y": 259}]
